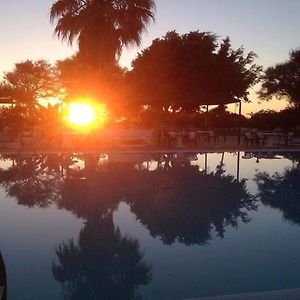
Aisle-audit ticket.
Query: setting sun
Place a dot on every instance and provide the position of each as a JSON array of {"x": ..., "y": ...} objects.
[
  {"x": 86, "y": 114},
  {"x": 81, "y": 114}
]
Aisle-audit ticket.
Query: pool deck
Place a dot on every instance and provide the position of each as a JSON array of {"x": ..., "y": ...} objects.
[
  {"x": 229, "y": 147},
  {"x": 230, "y": 144},
  {"x": 274, "y": 295}
]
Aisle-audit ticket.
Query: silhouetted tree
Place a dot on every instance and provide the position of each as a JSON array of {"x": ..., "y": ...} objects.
[
  {"x": 41, "y": 180},
  {"x": 177, "y": 203},
  {"x": 25, "y": 86},
  {"x": 183, "y": 72},
  {"x": 102, "y": 27},
  {"x": 270, "y": 119},
  {"x": 281, "y": 191},
  {"x": 104, "y": 264},
  {"x": 29, "y": 82},
  {"x": 34, "y": 181},
  {"x": 220, "y": 117},
  {"x": 99, "y": 85},
  {"x": 283, "y": 80}
]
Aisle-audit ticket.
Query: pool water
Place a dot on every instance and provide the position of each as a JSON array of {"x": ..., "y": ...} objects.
[{"x": 149, "y": 226}]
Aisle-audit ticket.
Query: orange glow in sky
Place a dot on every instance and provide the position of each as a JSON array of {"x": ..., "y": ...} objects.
[{"x": 28, "y": 28}]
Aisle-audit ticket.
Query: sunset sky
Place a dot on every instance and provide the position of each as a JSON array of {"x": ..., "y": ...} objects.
[{"x": 268, "y": 27}]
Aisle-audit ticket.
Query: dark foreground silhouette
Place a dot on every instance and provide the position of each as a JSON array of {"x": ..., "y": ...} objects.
[
  {"x": 3, "y": 288},
  {"x": 282, "y": 191},
  {"x": 176, "y": 202},
  {"x": 103, "y": 264}
]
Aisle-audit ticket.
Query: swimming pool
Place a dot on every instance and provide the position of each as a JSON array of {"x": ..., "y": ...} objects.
[{"x": 154, "y": 225}]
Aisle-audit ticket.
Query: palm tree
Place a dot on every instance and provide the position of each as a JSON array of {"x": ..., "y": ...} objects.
[
  {"x": 104, "y": 264},
  {"x": 101, "y": 27}
]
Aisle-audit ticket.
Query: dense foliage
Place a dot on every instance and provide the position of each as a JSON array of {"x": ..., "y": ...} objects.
[
  {"x": 29, "y": 87},
  {"x": 269, "y": 119},
  {"x": 183, "y": 72},
  {"x": 282, "y": 190},
  {"x": 28, "y": 82},
  {"x": 283, "y": 80}
]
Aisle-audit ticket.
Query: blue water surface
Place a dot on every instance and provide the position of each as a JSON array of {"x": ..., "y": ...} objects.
[{"x": 149, "y": 226}]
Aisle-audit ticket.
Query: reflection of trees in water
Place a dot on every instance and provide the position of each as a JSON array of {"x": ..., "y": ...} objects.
[
  {"x": 176, "y": 202},
  {"x": 182, "y": 204},
  {"x": 292, "y": 156},
  {"x": 95, "y": 190},
  {"x": 282, "y": 191},
  {"x": 39, "y": 180},
  {"x": 104, "y": 264},
  {"x": 33, "y": 180}
]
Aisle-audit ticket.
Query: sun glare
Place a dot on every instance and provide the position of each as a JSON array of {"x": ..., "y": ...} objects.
[
  {"x": 86, "y": 114},
  {"x": 81, "y": 114}
]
